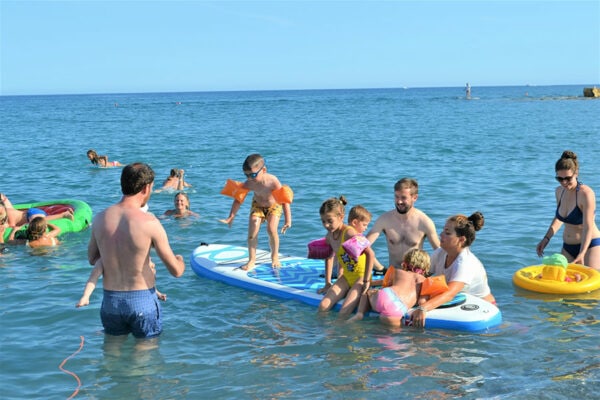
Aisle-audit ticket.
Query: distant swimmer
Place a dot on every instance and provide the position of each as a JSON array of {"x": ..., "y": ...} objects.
[
  {"x": 101, "y": 161},
  {"x": 468, "y": 90},
  {"x": 175, "y": 181}
]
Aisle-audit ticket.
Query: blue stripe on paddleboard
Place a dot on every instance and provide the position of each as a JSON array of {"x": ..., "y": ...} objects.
[{"x": 298, "y": 275}]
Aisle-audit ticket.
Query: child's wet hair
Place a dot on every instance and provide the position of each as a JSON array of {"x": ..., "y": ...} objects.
[
  {"x": 36, "y": 228},
  {"x": 253, "y": 160},
  {"x": 417, "y": 259},
  {"x": 335, "y": 205},
  {"x": 360, "y": 213}
]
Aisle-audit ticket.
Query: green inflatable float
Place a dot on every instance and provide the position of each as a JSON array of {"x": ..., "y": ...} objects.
[{"x": 82, "y": 215}]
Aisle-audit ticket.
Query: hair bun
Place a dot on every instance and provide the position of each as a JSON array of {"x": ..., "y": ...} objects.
[
  {"x": 569, "y": 154},
  {"x": 477, "y": 220}
]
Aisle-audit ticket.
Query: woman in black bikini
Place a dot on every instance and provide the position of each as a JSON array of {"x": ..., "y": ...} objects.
[{"x": 576, "y": 209}]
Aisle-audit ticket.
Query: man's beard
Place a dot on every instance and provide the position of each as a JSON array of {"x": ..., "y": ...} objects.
[{"x": 403, "y": 210}]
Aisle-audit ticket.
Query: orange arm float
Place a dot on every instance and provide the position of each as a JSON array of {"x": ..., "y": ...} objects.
[
  {"x": 283, "y": 195},
  {"x": 434, "y": 285},
  {"x": 235, "y": 189}
]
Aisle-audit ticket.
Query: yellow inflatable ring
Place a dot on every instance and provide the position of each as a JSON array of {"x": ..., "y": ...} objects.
[{"x": 579, "y": 279}]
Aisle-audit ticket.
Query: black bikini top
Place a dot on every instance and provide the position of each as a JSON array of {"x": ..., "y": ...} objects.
[{"x": 575, "y": 217}]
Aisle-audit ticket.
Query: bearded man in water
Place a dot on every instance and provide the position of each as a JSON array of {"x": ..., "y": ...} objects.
[{"x": 405, "y": 227}]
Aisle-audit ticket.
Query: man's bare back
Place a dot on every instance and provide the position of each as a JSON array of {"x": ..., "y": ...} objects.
[
  {"x": 123, "y": 235},
  {"x": 124, "y": 244}
]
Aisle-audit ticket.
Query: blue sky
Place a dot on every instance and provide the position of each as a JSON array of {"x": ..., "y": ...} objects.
[{"x": 56, "y": 47}]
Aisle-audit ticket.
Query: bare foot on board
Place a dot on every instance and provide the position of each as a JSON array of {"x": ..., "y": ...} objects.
[{"x": 248, "y": 266}]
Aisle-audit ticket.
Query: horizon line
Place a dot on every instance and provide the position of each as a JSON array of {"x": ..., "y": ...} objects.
[{"x": 289, "y": 90}]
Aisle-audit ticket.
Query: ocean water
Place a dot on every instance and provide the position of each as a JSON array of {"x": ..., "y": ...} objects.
[{"x": 494, "y": 154}]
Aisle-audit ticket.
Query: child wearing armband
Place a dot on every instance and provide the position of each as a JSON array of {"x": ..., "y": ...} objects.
[
  {"x": 356, "y": 271},
  {"x": 265, "y": 207},
  {"x": 359, "y": 218},
  {"x": 393, "y": 302}
]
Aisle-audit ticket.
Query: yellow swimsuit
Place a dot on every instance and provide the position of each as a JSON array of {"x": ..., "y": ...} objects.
[{"x": 353, "y": 269}]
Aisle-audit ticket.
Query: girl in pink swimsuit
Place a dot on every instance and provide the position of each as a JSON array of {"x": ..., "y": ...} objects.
[{"x": 393, "y": 302}]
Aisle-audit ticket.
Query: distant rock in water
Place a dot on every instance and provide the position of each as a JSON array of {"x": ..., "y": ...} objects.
[{"x": 591, "y": 92}]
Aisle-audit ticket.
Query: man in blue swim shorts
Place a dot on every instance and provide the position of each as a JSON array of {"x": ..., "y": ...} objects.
[
  {"x": 135, "y": 311},
  {"x": 122, "y": 236}
]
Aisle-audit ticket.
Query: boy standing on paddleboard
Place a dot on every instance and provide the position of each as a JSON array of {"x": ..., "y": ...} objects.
[{"x": 268, "y": 203}]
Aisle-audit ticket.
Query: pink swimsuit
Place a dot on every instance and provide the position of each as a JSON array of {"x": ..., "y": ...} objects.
[{"x": 389, "y": 304}]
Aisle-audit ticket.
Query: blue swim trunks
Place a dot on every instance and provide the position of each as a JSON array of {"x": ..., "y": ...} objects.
[
  {"x": 34, "y": 212},
  {"x": 136, "y": 311}
]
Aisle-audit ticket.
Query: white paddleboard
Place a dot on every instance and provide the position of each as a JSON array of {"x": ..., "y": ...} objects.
[{"x": 299, "y": 278}]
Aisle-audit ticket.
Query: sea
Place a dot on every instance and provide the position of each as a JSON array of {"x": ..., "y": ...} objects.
[{"x": 494, "y": 153}]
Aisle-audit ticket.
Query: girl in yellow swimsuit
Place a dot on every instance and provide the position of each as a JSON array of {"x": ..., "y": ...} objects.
[{"x": 355, "y": 279}]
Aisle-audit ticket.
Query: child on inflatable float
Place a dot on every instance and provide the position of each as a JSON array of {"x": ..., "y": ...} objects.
[{"x": 39, "y": 232}]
